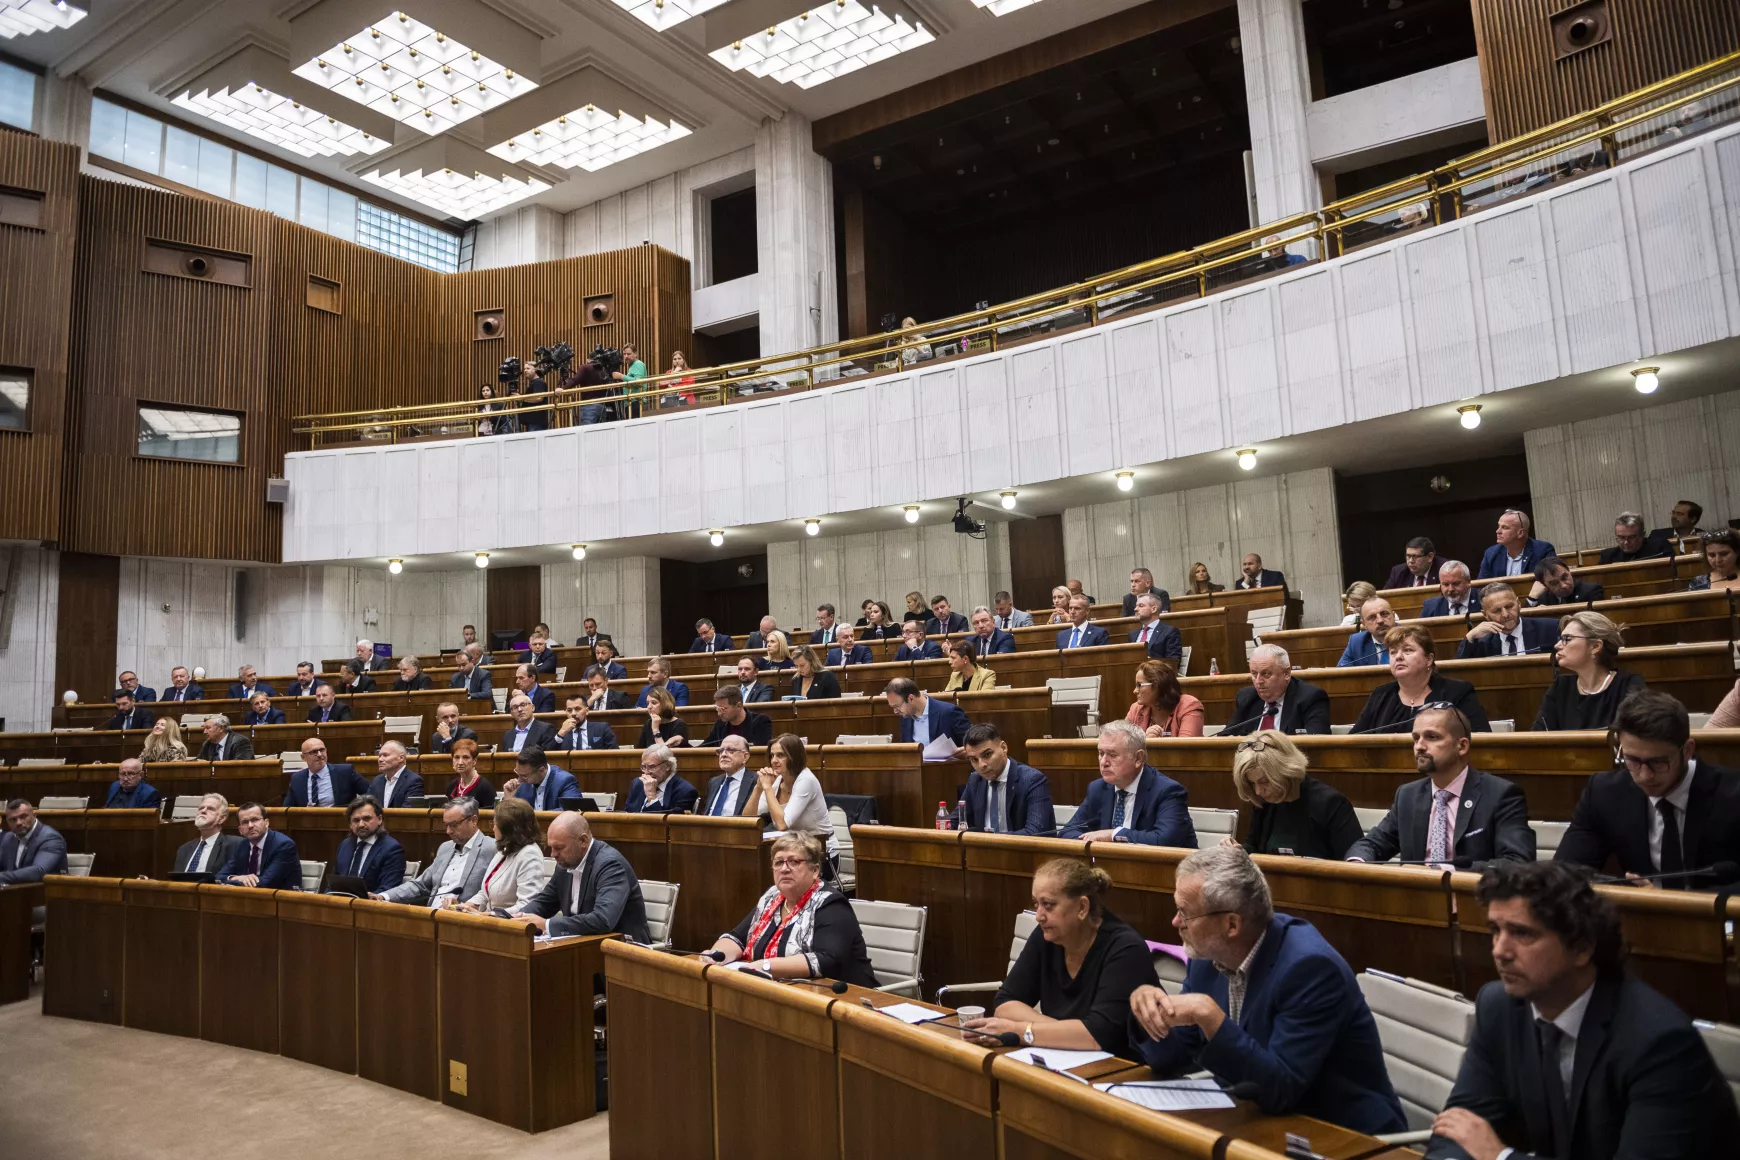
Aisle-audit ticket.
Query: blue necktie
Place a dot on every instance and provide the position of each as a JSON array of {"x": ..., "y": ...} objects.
[
  {"x": 718, "y": 809},
  {"x": 1118, "y": 809},
  {"x": 314, "y": 794},
  {"x": 1075, "y": 638}
]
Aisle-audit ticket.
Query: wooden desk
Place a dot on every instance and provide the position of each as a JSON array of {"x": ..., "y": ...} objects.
[
  {"x": 395, "y": 996},
  {"x": 722, "y": 865},
  {"x": 894, "y": 775},
  {"x": 779, "y": 1041},
  {"x": 160, "y": 991},
  {"x": 83, "y": 958},
  {"x": 238, "y": 967},
  {"x": 318, "y": 985},
  {"x": 659, "y": 1014},
  {"x": 1043, "y": 1116},
  {"x": 640, "y": 838},
  {"x": 1637, "y": 578},
  {"x": 124, "y": 842},
  {"x": 1394, "y": 918},
  {"x": 16, "y": 905}
]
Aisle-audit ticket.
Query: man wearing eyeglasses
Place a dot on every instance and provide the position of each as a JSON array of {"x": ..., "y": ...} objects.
[
  {"x": 1661, "y": 810},
  {"x": 1276, "y": 699},
  {"x": 658, "y": 789},
  {"x": 1132, "y": 801},
  {"x": 1554, "y": 584},
  {"x": 1419, "y": 567}
]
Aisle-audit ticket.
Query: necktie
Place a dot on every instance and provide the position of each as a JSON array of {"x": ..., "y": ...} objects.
[
  {"x": 253, "y": 858},
  {"x": 1558, "y": 1109},
  {"x": 1672, "y": 855},
  {"x": 1271, "y": 710},
  {"x": 1118, "y": 809},
  {"x": 1438, "y": 841},
  {"x": 719, "y": 798},
  {"x": 1002, "y": 622},
  {"x": 1075, "y": 637},
  {"x": 314, "y": 795},
  {"x": 984, "y": 646},
  {"x": 1510, "y": 646},
  {"x": 994, "y": 822},
  {"x": 356, "y": 859},
  {"x": 198, "y": 855},
  {"x": 1146, "y": 630}
]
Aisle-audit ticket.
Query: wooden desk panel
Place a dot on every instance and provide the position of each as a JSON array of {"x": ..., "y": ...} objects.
[
  {"x": 722, "y": 866},
  {"x": 124, "y": 842},
  {"x": 892, "y": 774},
  {"x": 238, "y": 966},
  {"x": 907, "y": 1091},
  {"x": 1638, "y": 578},
  {"x": 998, "y": 886},
  {"x": 1143, "y": 880},
  {"x": 161, "y": 988},
  {"x": 640, "y": 838},
  {"x": 83, "y": 960},
  {"x": 658, "y": 1013},
  {"x": 921, "y": 867},
  {"x": 780, "y": 1044},
  {"x": 395, "y": 998},
  {"x": 871, "y": 679},
  {"x": 16, "y": 905},
  {"x": 316, "y": 831},
  {"x": 1048, "y": 1117},
  {"x": 1019, "y": 714},
  {"x": 1392, "y": 918},
  {"x": 317, "y": 980},
  {"x": 822, "y": 722}
]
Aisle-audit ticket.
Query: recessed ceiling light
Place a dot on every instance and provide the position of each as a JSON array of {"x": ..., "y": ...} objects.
[
  {"x": 588, "y": 138},
  {"x": 254, "y": 92},
  {"x": 814, "y": 47},
  {"x": 23, "y": 17},
  {"x": 455, "y": 178},
  {"x": 1646, "y": 379},
  {"x": 663, "y": 14},
  {"x": 1002, "y": 7},
  {"x": 1247, "y": 457}
]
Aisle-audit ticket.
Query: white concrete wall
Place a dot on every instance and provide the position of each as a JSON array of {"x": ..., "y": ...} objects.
[
  {"x": 27, "y": 692},
  {"x": 1289, "y": 520},
  {"x": 1277, "y": 92},
  {"x": 794, "y": 226},
  {"x": 531, "y": 233},
  {"x": 1583, "y": 474},
  {"x": 621, "y": 594},
  {"x": 661, "y": 212},
  {"x": 1396, "y": 118}
]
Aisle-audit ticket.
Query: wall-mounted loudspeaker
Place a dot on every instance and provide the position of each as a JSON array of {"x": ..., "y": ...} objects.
[
  {"x": 600, "y": 310},
  {"x": 196, "y": 266},
  {"x": 489, "y": 324},
  {"x": 1580, "y": 27}
]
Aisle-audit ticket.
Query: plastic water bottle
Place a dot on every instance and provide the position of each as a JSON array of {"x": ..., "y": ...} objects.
[
  {"x": 943, "y": 819},
  {"x": 1213, "y": 667}
]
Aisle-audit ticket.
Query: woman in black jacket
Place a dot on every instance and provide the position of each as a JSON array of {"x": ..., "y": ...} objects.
[
  {"x": 1414, "y": 663},
  {"x": 1590, "y": 685},
  {"x": 810, "y": 680},
  {"x": 1294, "y": 813}
]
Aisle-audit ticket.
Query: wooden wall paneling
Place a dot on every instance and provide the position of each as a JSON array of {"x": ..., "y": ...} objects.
[
  {"x": 672, "y": 321},
  {"x": 514, "y": 599},
  {"x": 86, "y": 623},
  {"x": 36, "y": 298},
  {"x": 1527, "y": 87},
  {"x": 1036, "y": 560}
]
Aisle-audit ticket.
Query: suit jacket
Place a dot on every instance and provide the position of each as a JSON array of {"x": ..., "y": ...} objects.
[
  {"x": 956, "y": 623},
  {"x": 943, "y": 717},
  {"x": 1401, "y": 577},
  {"x": 1160, "y": 594},
  {"x": 1582, "y": 592},
  {"x": 478, "y": 684},
  {"x": 1000, "y": 642},
  {"x": 610, "y": 898},
  {"x": 409, "y": 785},
  {"x": 734, "y": 808},
  {"x": 1304, "y": 1035},
  {"x": 340, "y": 712},
  {"x": 543, "y": 701},
  {"x": 422, "y": 888},
  {"x": 1643, "y": 1085},
  {"x": 679, "y": 693},
  {"x": 1493, "y": 562},
  {"x": 235, "y": 747},
  {"x": 1266, "y": 578},
  {"x": 145, "y": 797},
  {"x": 346, "y": 784},
  {"x": 545, "y": 664},
  {"x": 1091, "y": 634},
  {"x": 1655, "y": 544},
  {"x": 539, "y": 733},
  {"x": 613, "y": 699},
  {"x": 137, "y": 719},
  {"x": 930, "y": 650},
  {"x": 1363, "y": 649},
  {"x": 239, "y": 693},
  {"x": 420, "y": 681},
  {"x": 190, "y": 692},
  {"x": 1162, "y": 812},
  {"x": 612, "y": 671},
  {"x": 280, "y": 864},
  {"x": 589, "y": 641},
  {"x": 375, "y": 663},
  {"x": 438, "y": 744},
  {"x": 1029, "y": 796},
  {"x": 819, "y": 636},
  {"x": 44, "y": 853},
  {"x": 860, "y": 656},
  {"x": 298, "y": 689},
  {"x": 1021, "y": 618},
  {"x": 1539, "y": 634},
  {"x": 721, "y": 643},
  {"x": 559, "y": 786},
  {"x": 599, "y": 735},
  {"x": 384, "y": 868},
  {"x": 756, "y": 729},
  {"x": 1493, "y": 822},
  {"x": 215, "y": 861},
  {"x": 758, "y": 691},
  {"x": 139, "y": 695},
  {"x": 1164, "y": 643},
  {"x": 1304, "y": 709},
  {"x": 363, "y": 684},
  {"x": 269, "y": 717},
  {"x": 680, "y": 798},
  {"x": 1612, "y": 820},
  {"x": 1440, "y": 606}
]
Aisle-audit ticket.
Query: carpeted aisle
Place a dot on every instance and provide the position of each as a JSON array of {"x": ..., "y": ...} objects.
[{"x": 83, "y": 1091}]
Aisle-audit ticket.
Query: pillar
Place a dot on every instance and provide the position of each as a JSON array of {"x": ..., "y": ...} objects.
[
  {"x": 794, "y": 226},
  {"x": 1277, "y": 93}
]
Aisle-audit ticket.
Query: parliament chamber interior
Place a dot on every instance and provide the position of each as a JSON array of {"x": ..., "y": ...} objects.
[{"x": 1013, "y": 579}]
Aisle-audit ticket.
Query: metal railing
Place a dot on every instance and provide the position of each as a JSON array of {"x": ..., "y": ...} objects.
[{"x": 1658, "y": 115}]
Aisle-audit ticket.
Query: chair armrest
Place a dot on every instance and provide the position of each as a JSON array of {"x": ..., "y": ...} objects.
[{"x": 944, "y": 992}]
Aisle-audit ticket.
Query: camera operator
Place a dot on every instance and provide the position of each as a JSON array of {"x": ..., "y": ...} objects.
[
  {"x": 594, "y": 372},
  {"x": 534, "y": 388}
]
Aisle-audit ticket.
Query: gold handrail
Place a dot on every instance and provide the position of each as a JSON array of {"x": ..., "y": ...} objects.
[{"x": 1441, "y": 188}]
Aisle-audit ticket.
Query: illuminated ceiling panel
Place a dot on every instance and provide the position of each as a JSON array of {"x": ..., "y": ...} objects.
[
  {"x": 1004, "y": 7},
  {"x": 253, "y": 91},
  {"x": 454, "y": 178},
  {"x": 23, "y": 17},
  {"x": 585, "y": 120},
  {"x": 817, "y": 46},
  {"x": 663, "y": 14}
]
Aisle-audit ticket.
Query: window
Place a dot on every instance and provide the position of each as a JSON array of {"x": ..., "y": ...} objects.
[
  {"x": 17, "y": 96},
  {"x": 185, "y": 433},
  {"x": 407, "y": 238},
  {"x": 14, "y": 399}
]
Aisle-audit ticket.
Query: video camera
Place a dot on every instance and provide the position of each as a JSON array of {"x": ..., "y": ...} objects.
[
  {"x": 553, "y": 358},
  {"x": 510, "y": 370},
  {"x": 606, "y": 358}
]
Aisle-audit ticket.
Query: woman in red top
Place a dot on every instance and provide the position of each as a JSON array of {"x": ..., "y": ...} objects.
[{"x": 467, "y": 782}]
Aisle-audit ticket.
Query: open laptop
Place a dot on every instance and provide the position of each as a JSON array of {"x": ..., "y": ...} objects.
[{"x": 352, "y": 884}]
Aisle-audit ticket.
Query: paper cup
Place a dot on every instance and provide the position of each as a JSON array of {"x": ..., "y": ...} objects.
[{"x": 966, "y": 1013}]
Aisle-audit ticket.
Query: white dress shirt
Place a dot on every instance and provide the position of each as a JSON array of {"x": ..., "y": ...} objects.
[
  {"x": 359, "y": 857},
  {"x": 24, "y": 843},
  {"x": 1678, "y": 797},
  {"x": 1569, "y": 1023},
  {"x": 455, "y": 875},
  {"x": 387, "y": 789},
  {"x": 318, "y": 790},
  {"x": 1515, "y": 636},
  {"x": 574, "y": 877},
  {"x": 733, "y": 783},
  {"x": 1129, "y": 803},
  {"x": 1000, "y": 783},
  {"x": 1513, "y": 565},
  {"x": 202, "y": 853}
]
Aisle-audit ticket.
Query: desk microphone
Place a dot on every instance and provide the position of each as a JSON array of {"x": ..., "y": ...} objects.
[
  {"x": 837, "y": 987},
  {"x": 1225, "y": 729},
  {"x": 1723, "y": 871}
]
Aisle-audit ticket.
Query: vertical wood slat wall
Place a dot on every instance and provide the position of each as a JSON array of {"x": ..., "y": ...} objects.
[{"x": 1526, "y": 87}]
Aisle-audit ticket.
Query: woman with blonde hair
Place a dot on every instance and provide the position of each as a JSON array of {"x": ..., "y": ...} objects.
[
  {"x": 1357, "y": 594},
  {"x": 1197, "y": 583},
  {"x": 1060, "y": 605},
  {"x": 810, "y": 681},
  {"x": 1295, "y": 813},
  {"x": 164, "y": 742},
  {"x": 966, "y": 673},
  {"x": 1162, "y": 708},
  {"x": 778, "y": 653},
  {"x": 916, "y": 608},
  {"x": 1590, "y": 685},
  {"x": 663, "y": 726}
]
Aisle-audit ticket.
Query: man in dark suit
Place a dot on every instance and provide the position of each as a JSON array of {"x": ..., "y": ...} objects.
[
  {"x": 1275, "y": 699},
  {"x": 728, "y": 790},
  {"x": 749, "y": 686},
  {"x": 658, "y": 676},
  {"x": 1003, "y": 796},
  {"x": 412, "y": 678},
  {"x": 1366, "y": 647},
  {"x": 368, "y": 661},
  {"x": 221, "y": 744},
  {"x": 130, "y": 790},
  {"x": 355, "y": 679},
  {"x": 709, "y": 639},
  {"x": 913, "y": 646},
  {"x": 476, "y": 680},
  {"x": 1631, "y": 542},
  {"x": 542, "y": 785},
  {"x": 307, "y": 680},
  {"x": 1452, "y": 598},
  {"x": 1516, "y": 552},
  {"x": 1662, "y": 810},
  {"x": 591, "y": 636},
  {"x": 758, "y": 638},
  {"x": 1132, "y": 801},
  {"x": 988, "y": 639},
  {"x": 1162, "y": 639},
  {"x": 209, "y": 850},
  {"x": 1506, "y": 631},
  {"x": 846, "y": 650},
  {"x": 394, "y": 785},
  {"x": 327, "y": 707},
  {"x": 942, "y": 619},
  {"x": 1297, "y": 1028},
  {"x": 1570, "y": 1056},
  {"x": 30, "y": 848},
  {"x": 526, "y": 683},
  {"x": 129, "y": 716},
  {"x": 607, "y": 898},
  {"x": 260, "y": 711},
  {"x": 1419, "y": 568},
  {"x": 1142, "y": 580},
  {"x": 526, "y": 732},
  {"x": 128, "y": 683},
  {"x": 924, "y": 719},
  {"x": 1455, "y": 815},
  {"x": 370, "y": 853},
  {"x": 1555, "y": 585},
  {"x": 182, "y": 687},
  {"x": 1682, "y": 525},
  {"x": 600, "y": 696},
  {"x": 247, "y": 684},
  {"x": 658, "y": 789},
  {"x": 321, "y": 784},
  {"x": 264, "y": 858},
  {"x": 448, "y": 729},
  {"x": 1081, "y": 634},
  {"x": 1252, "y": 574},
  {"x": 733, "y": 720},
  {"x": 826, "y": 623},
  {"x": 576, "y": 732},
  {"x": 539, "y": 655}
]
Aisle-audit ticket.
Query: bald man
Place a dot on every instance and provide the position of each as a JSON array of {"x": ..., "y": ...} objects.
[{"x": 593, "y": 891}]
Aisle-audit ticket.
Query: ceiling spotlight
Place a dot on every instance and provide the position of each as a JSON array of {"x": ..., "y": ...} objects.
[
  {"x": 1126, "y": 480},
  {"x": 911, "y": 513},
  {"x": 1247, "y": 458},
  {"x": 716, "y": 538},
  {"x": 1008, "y": 498},
  {"x": 1470, "y": 415},
  {"x": 579, "y": 551},
  {"x": 395, "y": 566},
  {"x": 1647, "y": 379},
  {"x": 483, "y": 559},
  {"x": 812, "y": 527}
]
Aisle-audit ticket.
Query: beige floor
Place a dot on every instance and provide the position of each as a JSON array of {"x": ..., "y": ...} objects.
[{"x": 85, "y": 1091}]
